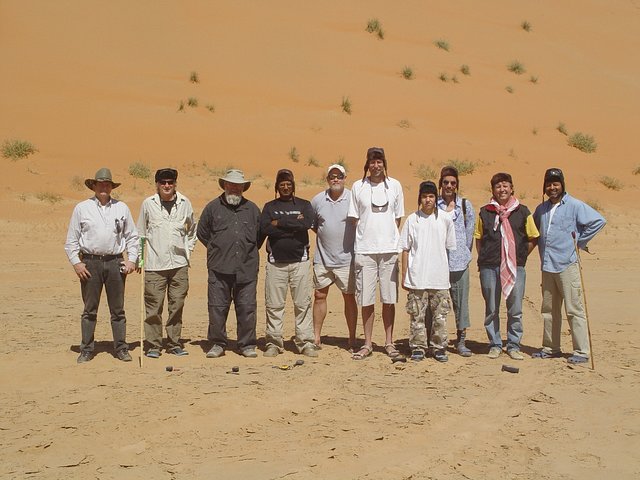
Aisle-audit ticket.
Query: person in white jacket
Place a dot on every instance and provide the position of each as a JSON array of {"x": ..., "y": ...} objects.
[{"x": 168, "y": 224}]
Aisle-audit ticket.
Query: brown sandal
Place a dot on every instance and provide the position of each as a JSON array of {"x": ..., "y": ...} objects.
[
  {"x": 364, "y": 352},
  {"x": 392, "y": 351}
]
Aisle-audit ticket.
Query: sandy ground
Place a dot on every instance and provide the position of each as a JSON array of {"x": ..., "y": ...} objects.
[{"x": 96, "y": 84}]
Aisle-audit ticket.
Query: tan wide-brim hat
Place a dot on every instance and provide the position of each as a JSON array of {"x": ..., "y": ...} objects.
[
  {"x": 234, "y": 176},
  {"x": 102, "y": 175}
]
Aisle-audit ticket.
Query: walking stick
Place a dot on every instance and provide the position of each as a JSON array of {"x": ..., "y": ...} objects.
[
  {"x": 584, "y": 295},
  {"x": 142, "y": 305}
]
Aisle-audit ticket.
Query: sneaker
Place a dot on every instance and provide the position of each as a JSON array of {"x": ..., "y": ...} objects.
[
  {"x": 417, "y": 355},
  {"x": 249, "y": 352},
  {"x": 153, "y": 353},
  {"x": 85, "y": 357},
  {"x": 515, "y": 354},
  {"x": 494, "y": 352},
  {"x": 123, "y": 355},
  {"x": 215, "y": 352},
  {"x": 271, "y": 351},
  {"x": 178, "y": 351},
  {"x": 576, "y": 359},
  {"x": 441, "y": 356},
  {"x": 310, "y": 350}
]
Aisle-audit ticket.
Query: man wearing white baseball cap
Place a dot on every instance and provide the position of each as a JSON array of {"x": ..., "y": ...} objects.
[{"x": 333, "y": 258}]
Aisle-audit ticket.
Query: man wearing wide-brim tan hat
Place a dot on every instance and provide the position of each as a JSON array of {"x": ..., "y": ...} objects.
[
  {"x": 100, "y": 230},
  {"x": 229, "y": 228}
]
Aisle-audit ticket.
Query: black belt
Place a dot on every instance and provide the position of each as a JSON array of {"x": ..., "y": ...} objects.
[{"x": 104, "y": 258}]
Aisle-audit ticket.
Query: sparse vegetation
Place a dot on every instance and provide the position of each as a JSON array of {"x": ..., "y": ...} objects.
[
  {"x": 562, "y": 128},
  {"x": 583, "y": 142},
  {"x": 346, "y": 105},
  {"x": 181, "y": 106},
  {"x": 526, "y": 26},
  {"x": 140, "y": 170},
  {"x": 509, "y": 89},
  {"x": 465, "y": 70},
  {"x": 464, "y": 167},
  {"x": 217, "y": 172},
  {"x": 533, "y": 79},
  {"x": 443, "y": 77},
  {"x": 516, "y": 67},
  {"x": 636, "y": 171},
  {"x": 404, "y": 123},
  {"x": 534, "y": 131},
  {"x": 374, "y": 26},
  {"x": 17, "y": 149},
  {"x": 341, "y": 161},
  {"x": 611, "y": 183},
  {"x": 49, "y": 197},
  {"x": 194, "y": 77},
  {"x": 454, "y": 79},
  {"x": 77, "y": 183},
  {"x": 425, "y": 172},
  {"x": 294, "y": 155},
  {"x": 407, "y": 73},
  {"x": 22, "y": 197},
  {"x": 595, "y": 205},
  {"x": 211, "y": 107},
  {"x": 313, "y": 162},
  {"x": 192, "y": 102},
  {"x": 442, "y": 44}
]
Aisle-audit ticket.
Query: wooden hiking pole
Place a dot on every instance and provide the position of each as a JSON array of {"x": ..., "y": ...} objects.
[
  {"x": 584, "y": 295},
  {"x": 143, "y": 313}
]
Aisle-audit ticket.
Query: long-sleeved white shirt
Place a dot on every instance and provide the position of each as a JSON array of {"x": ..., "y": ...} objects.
[
  {"x": 101, "y": 230},
  {"x": 170, "y": 238}
]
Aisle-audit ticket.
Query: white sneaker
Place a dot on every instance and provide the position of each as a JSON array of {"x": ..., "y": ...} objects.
[{"x": 494, "y": 352}]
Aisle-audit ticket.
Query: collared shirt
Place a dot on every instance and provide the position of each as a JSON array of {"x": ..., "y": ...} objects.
[
  {"x": 232, "y": 237},
  {"x": 460, "y": 258},
  {"x": 571, "y": 216},
  {"x": 377, "y": 230},
  {"x": 335, "y": 234},
  {"x": 101, "y": 230},
  {"x": 170, "y": 237}
]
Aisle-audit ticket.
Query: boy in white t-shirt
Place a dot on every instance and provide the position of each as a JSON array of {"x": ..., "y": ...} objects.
[{"x": 426, "y": 236}]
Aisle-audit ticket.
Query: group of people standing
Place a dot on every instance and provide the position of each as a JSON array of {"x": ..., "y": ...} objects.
[{"x": 360, "y": 248}]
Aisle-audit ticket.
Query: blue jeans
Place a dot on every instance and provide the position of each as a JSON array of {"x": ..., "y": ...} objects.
[{"x": 492, "y": 292}]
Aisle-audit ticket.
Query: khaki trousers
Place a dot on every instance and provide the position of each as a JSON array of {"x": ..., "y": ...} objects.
[
  {"x": 556, "y": 288},
  {"x": 281, "y": 277}
]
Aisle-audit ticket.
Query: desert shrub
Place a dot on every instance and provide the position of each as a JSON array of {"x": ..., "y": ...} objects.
[
  {"x": 313, "y": 162},
  {"x": 294, "y": 155},
  {"x": 611, "y": 183},
  {"x": 562, "y": 128},
  {"x": 454, "y": 79},
  {"x": 404, "y": 123},
  {"x": 443, "y": 77},
  {"x": 526, "y": 26},
  {"x": 346, "y": 105},
  {"x": 516, "y": 67},
  {"x": 194, "y": 77},
  {"x": 181, "y": 106},
  {"x": 442, "y": 44},
  {"x": 509, "y": 89},
  {"x": 465, "y": 70},
  {"x": 374, "y": 26},
  {"x": 464, "y": 167},
  {"x": 17, "y": 149},
  {"x": 424, "y": 172},
  {"x": 407, "y": 73},
  {"x": 583, "y": 142},
  {"x": 211, "y": 107},
  {"x": 140, "y": 170},
  {"x": 192, "y": 102},
  {"x": 533, "y": 79},
  {"x": 49, "y": 197},
  {"x": 636, "y": 171},
  {"x": 534, "y": 130},
  {"x": 77, "y": 183}
]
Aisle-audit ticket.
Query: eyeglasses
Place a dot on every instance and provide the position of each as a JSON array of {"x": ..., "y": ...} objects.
[
  {"x": 453, "y": 183},
  {"x": 335, "y": 176},
  {"x": 166, "y": 182}
]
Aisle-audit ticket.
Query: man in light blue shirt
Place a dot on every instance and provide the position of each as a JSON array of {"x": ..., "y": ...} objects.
[{"x": 563, "y": 222}]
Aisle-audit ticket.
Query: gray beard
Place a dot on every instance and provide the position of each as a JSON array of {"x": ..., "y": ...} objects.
[{"x": 233, "y": 199}]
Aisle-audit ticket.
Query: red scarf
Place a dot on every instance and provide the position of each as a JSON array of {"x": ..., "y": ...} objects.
[{"x": 508, "y": 263}]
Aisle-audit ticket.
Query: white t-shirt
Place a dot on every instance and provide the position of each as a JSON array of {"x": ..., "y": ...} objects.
[
  {"x": 376, "y": 231},
  {"x": 427, "y": 239}
]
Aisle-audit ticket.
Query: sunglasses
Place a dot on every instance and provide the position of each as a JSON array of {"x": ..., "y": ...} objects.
[
  {"x": 166, "y": 182},
  {"x": 449, "y": 182},
  {"x": 336, "y": 176}
]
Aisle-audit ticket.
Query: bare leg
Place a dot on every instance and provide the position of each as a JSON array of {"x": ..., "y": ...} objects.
[
  {"x": 351, "y": 315},
  {"x": 368, "y": 314},
  {"x": 388, "y": 318},
  {"x": 319, "y": 312}
]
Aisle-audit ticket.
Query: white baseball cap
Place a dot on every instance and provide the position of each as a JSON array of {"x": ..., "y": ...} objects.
[{"x": 338, "y": 167}]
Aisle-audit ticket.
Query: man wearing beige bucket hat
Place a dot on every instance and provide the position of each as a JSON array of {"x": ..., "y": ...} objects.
[
  {"x": 100, "y": 231},
  {"x": 229, "y": 228}
]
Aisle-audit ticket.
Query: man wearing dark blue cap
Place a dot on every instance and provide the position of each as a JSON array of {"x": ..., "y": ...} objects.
[
  {"x": 168, "y": 224},
  {"x": 564, "y": 223}
]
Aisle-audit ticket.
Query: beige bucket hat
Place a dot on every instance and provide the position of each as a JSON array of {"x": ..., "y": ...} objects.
[
  {"x": 234, "y": 176},
  {"x": 102, "y": 175}
]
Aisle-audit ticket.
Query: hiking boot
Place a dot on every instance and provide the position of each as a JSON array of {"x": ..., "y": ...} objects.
[
  {"x": 249, "y": 352},
  {"x": 215, "y": 352},
  {"x": 123, "y": 355},
  {"x": 85, "y": 357},
  {"x": 515, "y": 354},
  {"x": 461, "y": 347},
  {"x": 271, "y": 351},
  {"x": 310, "y": 350},
  {"x": 494, "y": 352},
  {"x": 441, "y": 356}
]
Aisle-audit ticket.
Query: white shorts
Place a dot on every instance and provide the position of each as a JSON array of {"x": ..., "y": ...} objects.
[
  {"x": 372, "y": 269},
  {"x": 343, "y": 277}
]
